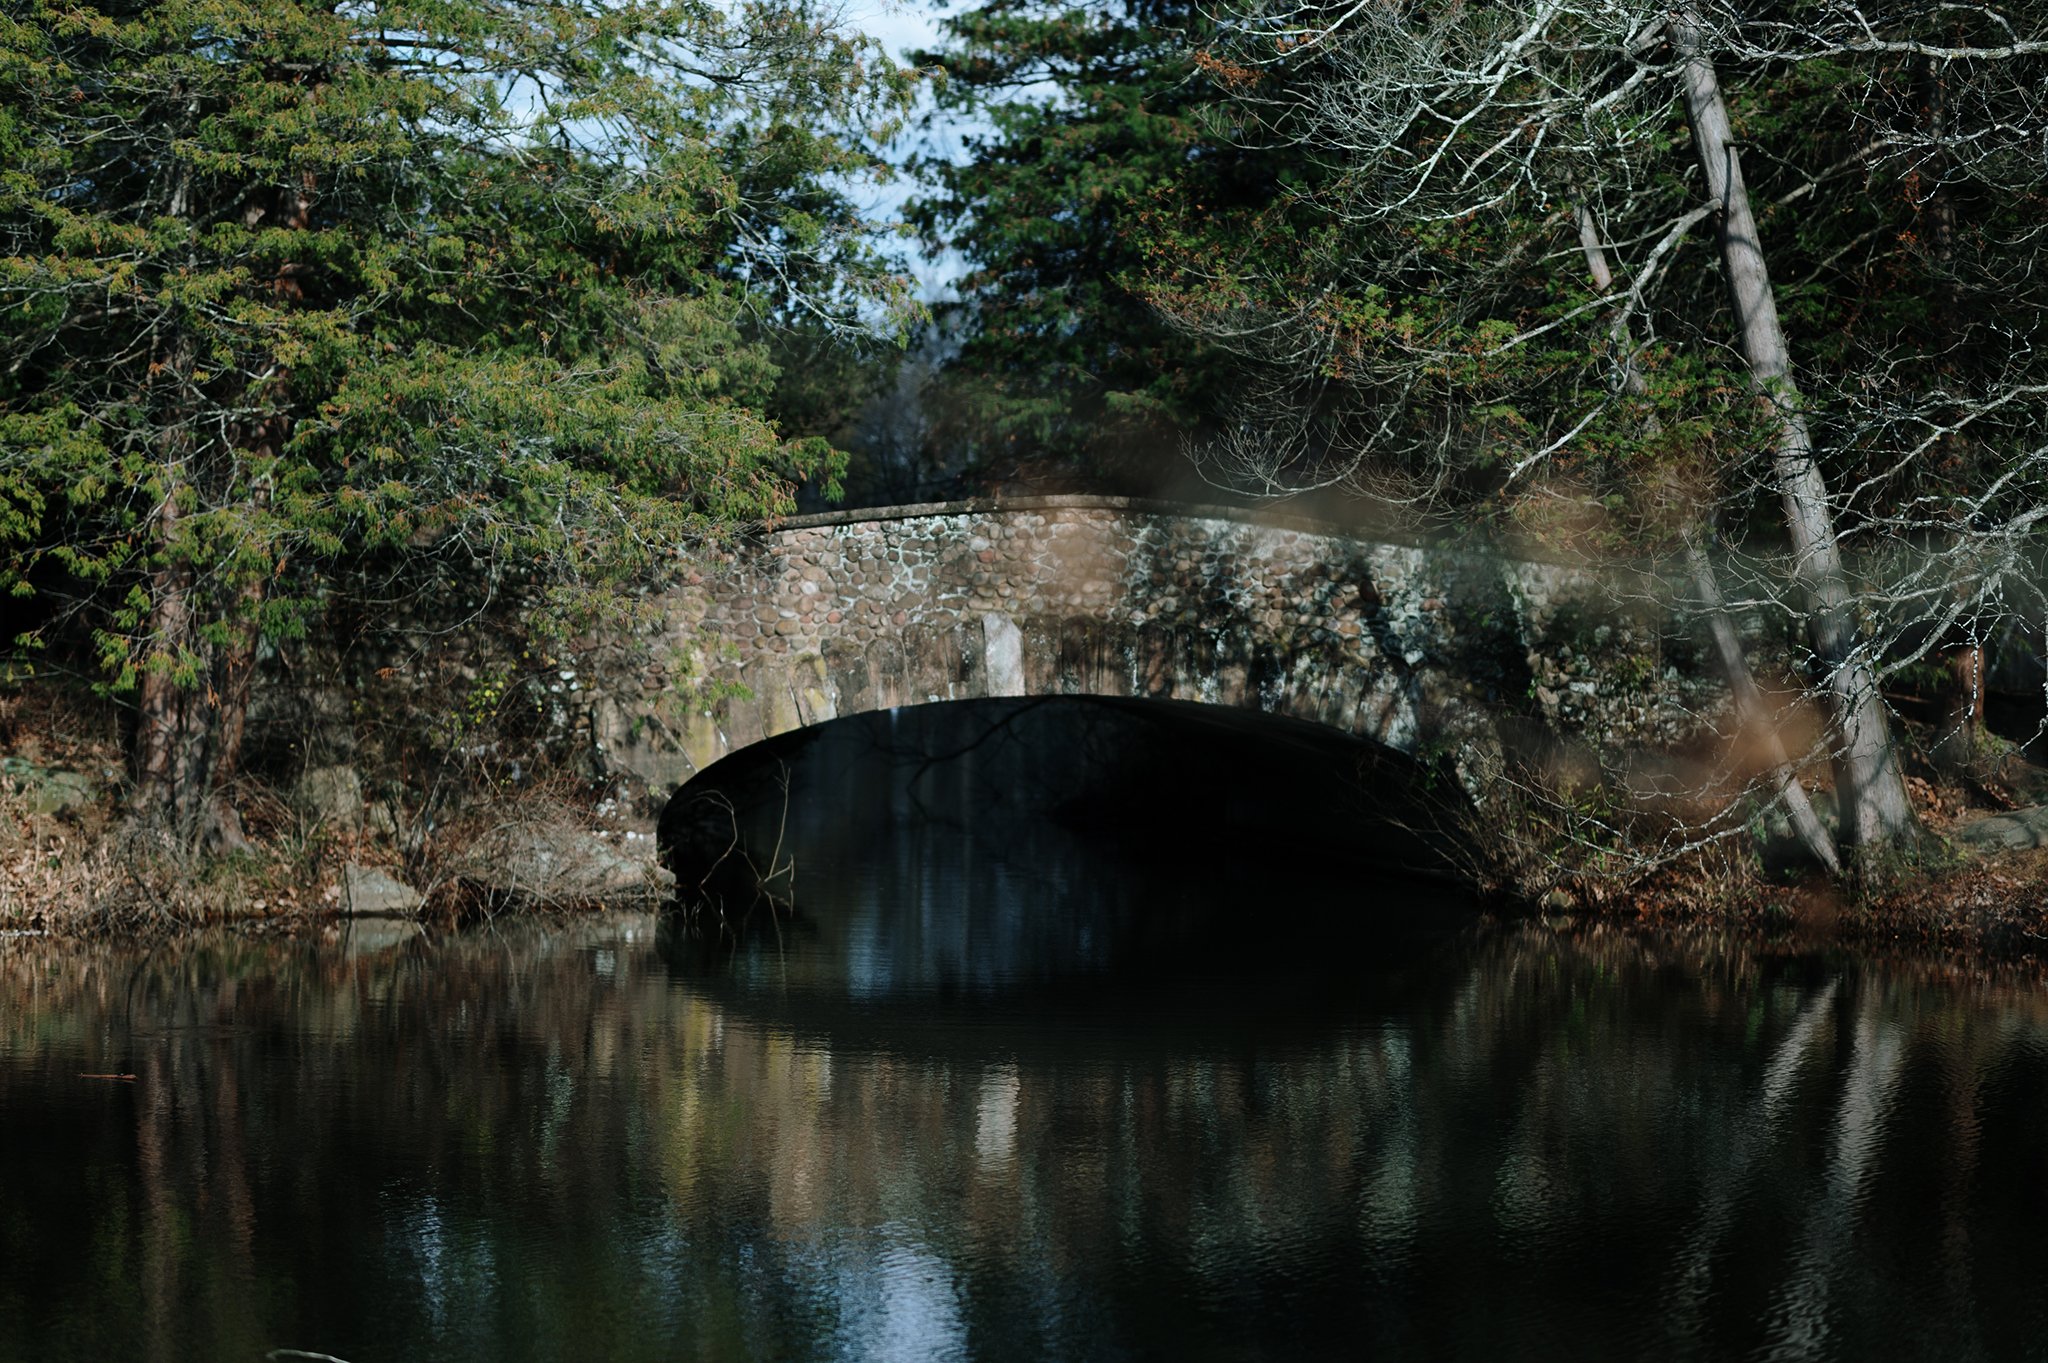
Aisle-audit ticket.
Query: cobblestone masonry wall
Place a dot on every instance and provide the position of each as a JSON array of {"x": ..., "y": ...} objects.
[{"x": 1424, "y": 650}]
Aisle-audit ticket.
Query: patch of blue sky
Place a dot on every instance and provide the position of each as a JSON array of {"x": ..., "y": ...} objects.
[
  {"x": 516, "y": 106},
  {"x": 904, "y": 27}
]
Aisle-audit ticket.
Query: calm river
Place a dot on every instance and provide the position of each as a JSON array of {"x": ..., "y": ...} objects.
[{"x": 1088, "y": 1090}]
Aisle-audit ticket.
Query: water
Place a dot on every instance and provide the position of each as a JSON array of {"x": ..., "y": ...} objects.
[{"x": 905, "y": 1118}]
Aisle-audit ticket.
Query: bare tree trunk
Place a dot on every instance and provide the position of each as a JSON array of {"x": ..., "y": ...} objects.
[
  {"x": 1632, "y": 381},
  {"x": 1868, "y": 780},
  {"x": 1750, "y": 710},
  {"x": 1962, "y": 726},
  {"x": 189, "y": 736},
  {"x": 1963, "y": 721},
  {"x": 195, "y": 689}
]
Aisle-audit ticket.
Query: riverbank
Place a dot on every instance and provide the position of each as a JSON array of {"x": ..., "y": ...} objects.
[
  {"x": 322, "y": 852},
  {"x": 327, "y": 851},
  {"x": 79, "y": 875},
  {"x": 1960, "y": 898}
]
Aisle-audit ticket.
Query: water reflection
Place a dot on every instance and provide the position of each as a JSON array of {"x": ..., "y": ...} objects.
[
  {"x": 991, "y": 850},
  {"x": 536, "y": 1146}
]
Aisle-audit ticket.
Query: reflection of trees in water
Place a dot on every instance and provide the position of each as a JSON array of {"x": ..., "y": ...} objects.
[
  {"x": 507, "y": 1147},
  {"x": 384, "y": 1117}
]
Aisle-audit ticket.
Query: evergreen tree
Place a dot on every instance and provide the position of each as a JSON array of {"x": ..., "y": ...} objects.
[
  {"x": 286, "y": 288},
  {"x": 1062, "y": 371}
]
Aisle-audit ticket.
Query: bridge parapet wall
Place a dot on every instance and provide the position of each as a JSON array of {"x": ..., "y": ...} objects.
[{"x": 1419, "y": 648}]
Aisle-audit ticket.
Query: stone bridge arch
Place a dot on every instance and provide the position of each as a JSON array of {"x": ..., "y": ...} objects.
[{"x": 1410, "y": 646}]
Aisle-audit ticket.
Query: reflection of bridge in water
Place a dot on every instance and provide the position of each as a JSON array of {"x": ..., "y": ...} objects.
[
  {"x": 826, "y": 616},
  {"x": 958, "y": 854}
]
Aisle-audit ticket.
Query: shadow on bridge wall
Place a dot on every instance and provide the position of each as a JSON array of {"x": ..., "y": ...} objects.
[{"x": 1418, "y": 649}]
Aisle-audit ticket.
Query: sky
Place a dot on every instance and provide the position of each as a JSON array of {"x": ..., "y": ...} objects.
[
  {"x": 902, "y": 25},
  {"x": 898, "y": 24}
]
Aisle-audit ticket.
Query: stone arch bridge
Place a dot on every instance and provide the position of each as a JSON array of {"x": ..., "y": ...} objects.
[{"x": 1421, "y": 649}]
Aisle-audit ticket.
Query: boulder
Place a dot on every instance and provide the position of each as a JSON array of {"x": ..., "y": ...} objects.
[
  {"x": 561, "y": 864},
  {"x": 330, "y": 794},
  {"x": 371, "y": 891},
  {"x": 2020, "y": 828},
  {"x": 45, "y": 790},
  {"x": 61, "y": 790},
  {"x": 382, "y": 820}
]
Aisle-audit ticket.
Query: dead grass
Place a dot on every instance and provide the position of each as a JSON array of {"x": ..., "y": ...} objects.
[
  {"x": 1940, "y": 903},
  {"x": 1578, "y": 855},
  {"x": 100, "y": 876},
  {"x": 90, "y": 871}
]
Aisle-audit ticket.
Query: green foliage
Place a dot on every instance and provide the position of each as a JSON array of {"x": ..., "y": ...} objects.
[
  {"x": 1091, "y": 111},
  {"x": 297, "y": 298}
]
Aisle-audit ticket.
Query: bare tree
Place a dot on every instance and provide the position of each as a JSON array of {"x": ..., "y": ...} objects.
[
  {"x": 1436, "y": 342},
  {"x": 1868, "y": 775},
  {"x": 1749, "y": 703}
]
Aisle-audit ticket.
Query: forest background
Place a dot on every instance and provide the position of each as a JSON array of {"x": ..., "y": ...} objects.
[{"x": 314, "y": 316}]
